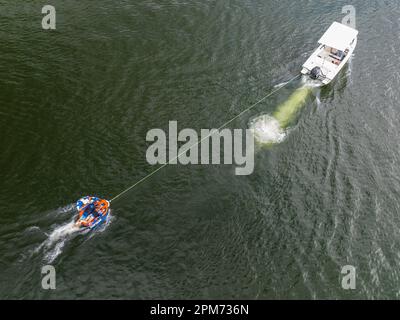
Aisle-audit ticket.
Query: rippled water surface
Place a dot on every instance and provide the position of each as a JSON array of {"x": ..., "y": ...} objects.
[{"x": 76, "y": 104}]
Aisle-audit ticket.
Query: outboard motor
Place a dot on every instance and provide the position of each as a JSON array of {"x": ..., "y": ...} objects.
[{"x": 316, "y": 73}]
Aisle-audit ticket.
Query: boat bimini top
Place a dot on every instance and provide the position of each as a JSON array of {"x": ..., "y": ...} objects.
[{"x": 338, "y": 36}]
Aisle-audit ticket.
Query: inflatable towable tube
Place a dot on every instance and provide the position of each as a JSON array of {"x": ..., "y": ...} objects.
[{"x": 92, "y": 212}]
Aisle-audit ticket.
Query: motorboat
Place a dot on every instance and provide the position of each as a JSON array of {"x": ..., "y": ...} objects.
[{"x": 336, "y": 47}]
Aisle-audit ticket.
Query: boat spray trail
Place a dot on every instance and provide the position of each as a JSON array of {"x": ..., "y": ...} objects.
[
  {"x": 287, "y": 111},
  {"x": 56, "y": 240},
  {"x": 272, "y": 129},
  {"x": 52, "y": 247}
]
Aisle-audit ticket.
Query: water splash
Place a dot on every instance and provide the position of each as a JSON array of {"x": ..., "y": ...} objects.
[{"x": 267, "y": 130}]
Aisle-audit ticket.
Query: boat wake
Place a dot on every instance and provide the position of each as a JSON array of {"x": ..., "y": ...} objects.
[
  {"x": 350, "y": 69},
  {"x": 317, "y": 95},
  {"x": 53, "y": 246},
  {"x": 273, "y": 129},
  {"x": 56, "y": 240}
]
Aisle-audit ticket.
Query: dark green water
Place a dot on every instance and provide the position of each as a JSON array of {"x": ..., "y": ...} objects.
[{"x": 76, "y": 104}]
